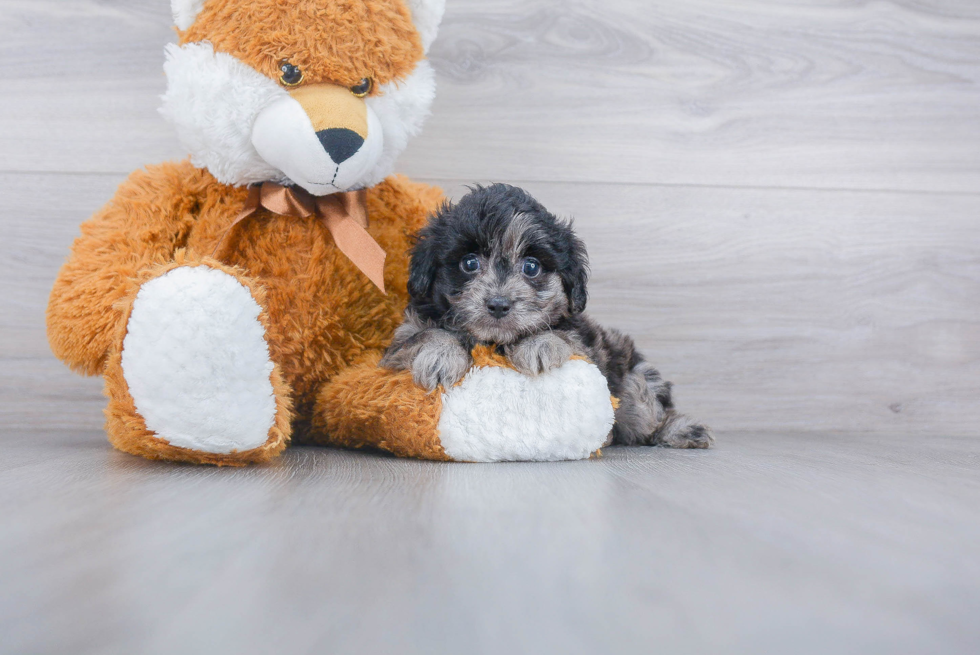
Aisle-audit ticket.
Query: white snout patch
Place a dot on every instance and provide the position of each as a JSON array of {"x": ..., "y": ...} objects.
[
  {"x": 214, "y": 101},
  {"x": 285, "y": 138},
  {"x": 197, "y": 362},
  {"x": 497, "y": 414}
]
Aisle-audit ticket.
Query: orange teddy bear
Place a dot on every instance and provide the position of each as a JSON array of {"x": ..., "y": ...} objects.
[{"x": 237, "y": 301}]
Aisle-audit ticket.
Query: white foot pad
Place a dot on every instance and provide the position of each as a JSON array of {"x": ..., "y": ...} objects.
[
  {"x": 497, "y": 414},
  {"x": 197, "y": 362}
]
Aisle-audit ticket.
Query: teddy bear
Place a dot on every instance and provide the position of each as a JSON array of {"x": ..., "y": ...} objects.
[{"x": 240, "y": 300}]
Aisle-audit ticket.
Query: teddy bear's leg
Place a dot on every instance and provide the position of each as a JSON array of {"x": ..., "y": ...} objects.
[
  {"x": 495, "y": 414},
  {"x": 369, "y": 407},
  {"x": 190, "y": 377}
]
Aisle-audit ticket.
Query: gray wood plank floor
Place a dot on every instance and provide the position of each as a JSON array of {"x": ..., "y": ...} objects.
[
  {"x": 782, "y": 204},
  {"x": 782, "y": 543}
]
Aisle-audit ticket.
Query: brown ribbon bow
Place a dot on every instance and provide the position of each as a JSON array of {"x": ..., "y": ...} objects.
[{"x": 344, "y": 214}]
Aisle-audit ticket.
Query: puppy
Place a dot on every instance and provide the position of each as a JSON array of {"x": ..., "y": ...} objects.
[{"x": 497, "y": 268}]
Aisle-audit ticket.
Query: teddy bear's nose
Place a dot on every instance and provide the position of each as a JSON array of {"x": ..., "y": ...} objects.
[{"x": 340, "y": 143}]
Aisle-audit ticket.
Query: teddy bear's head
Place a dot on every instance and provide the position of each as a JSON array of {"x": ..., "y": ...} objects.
[{"x": 323, "y": 94}]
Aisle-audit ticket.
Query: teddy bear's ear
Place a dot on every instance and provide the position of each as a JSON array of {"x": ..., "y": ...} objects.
[
  {"x": 185, "y": 12},
  {"x": 426, "y": 14}
]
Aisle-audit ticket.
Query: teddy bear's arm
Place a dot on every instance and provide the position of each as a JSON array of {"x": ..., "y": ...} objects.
[{"x": 142, "y": 226}]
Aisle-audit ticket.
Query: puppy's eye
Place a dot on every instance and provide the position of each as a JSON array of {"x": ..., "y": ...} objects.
[
  {"x": 291, "y": 75},
  {"x": 362, "y": 88},
  {"x": 470, "y": 264},
  {"x": 532, "y": 267}
]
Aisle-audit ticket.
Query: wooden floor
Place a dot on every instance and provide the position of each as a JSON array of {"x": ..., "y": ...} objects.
[
  {"x": 781, "y": 202},
  {"x": 782, "y": 543}
]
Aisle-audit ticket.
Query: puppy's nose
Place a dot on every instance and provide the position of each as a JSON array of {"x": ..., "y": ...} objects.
[
  {"x": 340, "y": 143},
  {"x": 498, "y": 306}
]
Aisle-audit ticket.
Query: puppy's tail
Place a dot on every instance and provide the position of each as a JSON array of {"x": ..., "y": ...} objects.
[{"x": 646, "y": 415}]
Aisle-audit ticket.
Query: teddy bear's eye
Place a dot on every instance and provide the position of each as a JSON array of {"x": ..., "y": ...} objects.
[
  {"x": 291, "y": 75},
  {"x": 362, "y": 88}
]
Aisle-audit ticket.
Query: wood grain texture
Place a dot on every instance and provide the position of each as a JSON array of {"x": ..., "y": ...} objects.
[
  {"x": 769, "y": 309},
  {"x": 808, "y": 94},
  {"x": 813, "y": 94},
  {"x": 780, "y": 203},
  {"x": 774, "y": 544}
]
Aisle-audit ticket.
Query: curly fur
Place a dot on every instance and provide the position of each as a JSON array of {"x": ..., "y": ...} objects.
[{"x": 544, "y": 325}]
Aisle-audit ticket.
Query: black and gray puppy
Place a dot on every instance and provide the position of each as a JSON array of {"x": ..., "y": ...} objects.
[{"x": 498, "y": 268}]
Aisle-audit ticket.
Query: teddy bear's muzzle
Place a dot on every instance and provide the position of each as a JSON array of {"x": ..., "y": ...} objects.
[{"x": 321, "y": 136}]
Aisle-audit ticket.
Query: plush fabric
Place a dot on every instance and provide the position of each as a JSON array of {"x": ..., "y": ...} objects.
[
  {"x": 323, "y": 312},
  {"x": 185, "y": 12},
  {"x": 369, "y": 407},
  {"x": 197, "y": 363},
  {"x": 214, "y": 101},
  {"x": 494, "y": 414},
  {"x": 126, "y": 427},
  {"x": 296, "y": 151},
  {"x": 148, "y": 220},
  {"x": 227, "y": 361},
  {"x": 368, "y": 38},
  {"x": 427, "y": 14},
  {"x": 402, "y": 107}
]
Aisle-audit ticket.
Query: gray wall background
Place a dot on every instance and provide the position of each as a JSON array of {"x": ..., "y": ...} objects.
[{"x": 781, "y": 200}]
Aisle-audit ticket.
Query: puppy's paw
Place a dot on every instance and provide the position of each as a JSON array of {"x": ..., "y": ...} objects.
[
  {"x": 680, "y": 432},
  {"x": 539, "y": 353},
  {"x": 441, "y": 361}
]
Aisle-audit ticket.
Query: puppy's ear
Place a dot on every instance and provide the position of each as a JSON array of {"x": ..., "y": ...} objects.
[
  {"x": 575, "y": 276},
  {"x": 578, "y": 292},
  {"x": 422, "y": 272}
]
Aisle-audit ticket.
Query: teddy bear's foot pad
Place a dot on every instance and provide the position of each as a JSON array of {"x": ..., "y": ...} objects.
[
  {"x": 197, "y": 363},
  {"x": 497, "y": 414}
]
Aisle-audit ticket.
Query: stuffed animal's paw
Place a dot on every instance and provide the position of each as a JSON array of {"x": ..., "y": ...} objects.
[
  {"x": 495, "y": 414},
  {"x": 196, "y": 364},
  {"x": 500, "y": 414}
]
